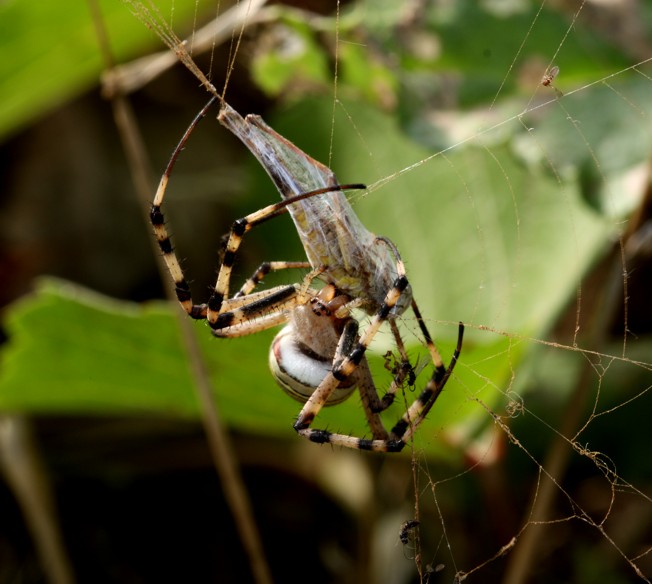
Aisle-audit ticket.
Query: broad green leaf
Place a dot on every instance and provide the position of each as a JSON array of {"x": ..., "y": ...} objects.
[
  {"x": 290, "y": 57},
  {"x": 489, "y": 234},
  {"x": 486, "y": 240},
  {"x": 72, "y": 351},
  {"x": 49, "y": 51}
]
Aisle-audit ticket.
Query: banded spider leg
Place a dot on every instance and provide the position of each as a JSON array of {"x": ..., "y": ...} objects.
[{"x": 320, "y": 357}]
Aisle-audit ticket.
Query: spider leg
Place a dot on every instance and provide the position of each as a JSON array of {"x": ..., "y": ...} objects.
[
  {"x": 371, "y": 403},
  {"x": 348, "y": 357},
  {"x": 243, "y": 315},
  {"x": 257, "y": 312},
  {"x": 327, "y": 386},
  {"x": 231, "y": 315},
  {"x": 213, "y": 309},
  {"x": 404, "y": 370},
  {"x": 406, "y": 426},
  {"x": 265, "y": 268},
  {"x": 416, "y": 413},
  {"x": 236, "y": 235},
  {"x": 362, "y": 379},
  {"x": 181, "y": 288},
  {"x": 371, "y": 399},
  {"x": 438, "y": 362}
]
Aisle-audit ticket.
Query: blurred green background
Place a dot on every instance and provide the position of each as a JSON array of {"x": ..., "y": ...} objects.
[{"x": 517, "y": 208}]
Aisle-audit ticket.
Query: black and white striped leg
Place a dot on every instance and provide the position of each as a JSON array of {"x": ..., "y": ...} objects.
[
  {"x": 225, "y": 317},
  {"x": 344, "y": 368},
  {"x": 345, "y": 365},
  {"x": 181, "y": 287},
  {"x": 403, "y": 431},
  {"x": 417, "y": 412},
  {"x": 402, "y": 371},
  {"x": 238, "y": 230},
  {"x": 243, "y": 315},
  {"x": 265, "y": 268}
]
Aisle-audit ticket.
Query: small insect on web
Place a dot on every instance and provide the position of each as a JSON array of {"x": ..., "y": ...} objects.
[
  {"x": 406, "y": 528},
  {"x": 319, "y": 358},
  {"x": 549, "y": 76}
]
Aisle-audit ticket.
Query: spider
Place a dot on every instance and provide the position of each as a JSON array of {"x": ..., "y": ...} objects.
[{"x": 319, "y": 356}]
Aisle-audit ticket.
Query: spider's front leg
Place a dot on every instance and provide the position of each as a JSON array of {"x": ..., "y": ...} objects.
[
  {"x": 218, "y": 317},
  {"x": 181, "y": 287},
  {"x": 269, "y": 307},
  {"x": 221, "y": 312},
  {"x": 247, "y": 314}
]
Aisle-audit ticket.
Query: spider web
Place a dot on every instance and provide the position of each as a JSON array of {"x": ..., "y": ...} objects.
[{"x": 528, "y": 201}]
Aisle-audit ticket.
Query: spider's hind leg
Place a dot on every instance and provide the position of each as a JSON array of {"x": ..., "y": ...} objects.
[
  {"x": 417, "y": 412},
  {"x": 349, "y": 361}
]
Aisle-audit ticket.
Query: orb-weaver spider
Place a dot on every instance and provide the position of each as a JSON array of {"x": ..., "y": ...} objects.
[{"x": 319, "y": 357}]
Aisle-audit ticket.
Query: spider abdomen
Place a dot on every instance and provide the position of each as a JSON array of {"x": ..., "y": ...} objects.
[{"x": 299, "y": 370}]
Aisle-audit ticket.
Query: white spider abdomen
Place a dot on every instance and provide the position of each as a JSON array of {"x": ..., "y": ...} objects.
[{"x": 299, "y": 370}]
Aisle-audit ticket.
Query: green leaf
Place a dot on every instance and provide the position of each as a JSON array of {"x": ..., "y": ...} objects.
[
  {"x": 365, "y": 73},
  {"x": 289, "y": 56},
  {"x": 486, "y": 240},
  {"x": 49, "y": 53},
  {"x": 72, "y": 351}
]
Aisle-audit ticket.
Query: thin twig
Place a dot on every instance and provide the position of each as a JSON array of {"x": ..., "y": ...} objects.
[
  {"x": 132, "y": 76},
  {"x": 22, "y": 466},
  {"x": 217, "y": 437}
]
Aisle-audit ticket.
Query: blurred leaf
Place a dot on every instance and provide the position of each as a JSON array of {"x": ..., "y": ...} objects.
[
  {"x": 72, "y": 351},
  {"x": 598, "y": 136},
  {"x": 94, "y": 355},
  {"x": 49, "y": 52},
  {"x": 365, "y": 73},
  {"x": 289, "y": 58},
  {"x": 474, "y": 32},
  {"x": 486, "y": 240},
  {"x": 489, "y": 236}
]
